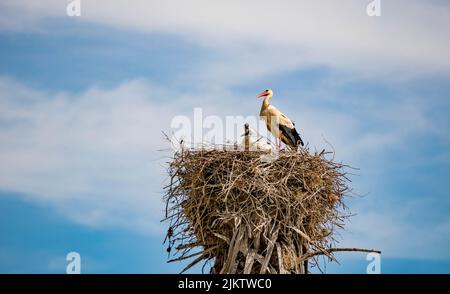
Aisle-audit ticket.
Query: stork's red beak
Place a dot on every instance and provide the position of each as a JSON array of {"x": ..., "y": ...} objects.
[{"x": 262, "y": 94}]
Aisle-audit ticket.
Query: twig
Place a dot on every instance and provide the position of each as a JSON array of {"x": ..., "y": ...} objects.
[{"x": 331, "y": 250}]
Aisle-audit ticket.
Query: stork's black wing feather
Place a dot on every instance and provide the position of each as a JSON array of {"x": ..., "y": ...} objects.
[{"x": 291, "y": 135}]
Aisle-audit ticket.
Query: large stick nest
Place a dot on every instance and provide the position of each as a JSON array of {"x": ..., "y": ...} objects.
[{"x": 251, "y": 215}]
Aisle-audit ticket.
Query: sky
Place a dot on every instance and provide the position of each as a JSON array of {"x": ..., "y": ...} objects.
[{"x": 84, "y": 99}]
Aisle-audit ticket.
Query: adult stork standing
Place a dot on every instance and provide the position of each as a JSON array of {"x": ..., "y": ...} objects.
[{"x": 281, "y": 127}]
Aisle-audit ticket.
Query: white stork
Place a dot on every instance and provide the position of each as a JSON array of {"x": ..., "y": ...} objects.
[{"x": 281, "y": 127}]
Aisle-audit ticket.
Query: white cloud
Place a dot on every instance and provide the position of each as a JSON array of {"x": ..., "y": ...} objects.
[
  {"x": 94, "y": 155},
  {"x": 259, "y": 37}
]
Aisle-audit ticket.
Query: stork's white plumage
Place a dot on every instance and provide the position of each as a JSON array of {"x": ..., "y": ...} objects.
[{"x": 281, "y": 127}]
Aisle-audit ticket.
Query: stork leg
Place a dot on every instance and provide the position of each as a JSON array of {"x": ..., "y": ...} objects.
[
  {"x": 277, "y": 144},
  {"x": 279, "y": 141}
]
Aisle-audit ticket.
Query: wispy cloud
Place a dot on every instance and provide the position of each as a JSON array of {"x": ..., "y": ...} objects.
[
  {"x": 91, "y": 154},
  {"x": 409, "y": 37},
  {"x": 94, "y": 155}
]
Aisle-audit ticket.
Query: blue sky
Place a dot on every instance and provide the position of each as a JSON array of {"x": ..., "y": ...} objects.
[{"x": 83, "y": 101}]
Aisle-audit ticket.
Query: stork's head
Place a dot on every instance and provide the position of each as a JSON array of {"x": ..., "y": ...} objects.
[{"x": 267, "y": 93}]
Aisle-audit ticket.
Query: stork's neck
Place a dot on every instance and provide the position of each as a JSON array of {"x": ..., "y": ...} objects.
[{"x": 265, "y": 103}]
